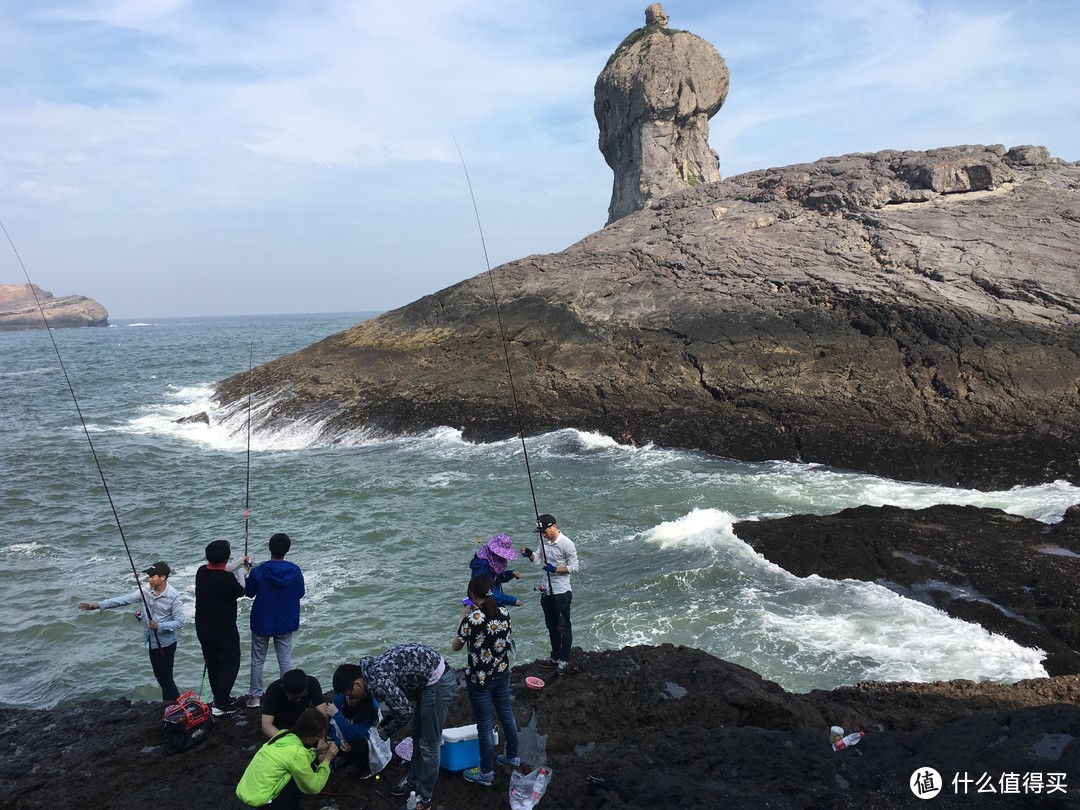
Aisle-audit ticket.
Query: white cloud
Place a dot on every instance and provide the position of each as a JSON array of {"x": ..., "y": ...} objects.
[{"x": 330, "y": 123}]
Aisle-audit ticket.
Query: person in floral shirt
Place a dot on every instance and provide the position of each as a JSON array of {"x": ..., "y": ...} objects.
[{"x": 484, "y": 629}]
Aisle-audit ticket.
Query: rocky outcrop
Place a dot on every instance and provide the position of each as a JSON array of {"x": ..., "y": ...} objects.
[
  {"x": 649, "y": 727},
  {"x": 653, "y": 102},
  {"x": 19, "y": 309},
  {"x": 1009, "y": 574},
  {"x": 911, "y": 314}
]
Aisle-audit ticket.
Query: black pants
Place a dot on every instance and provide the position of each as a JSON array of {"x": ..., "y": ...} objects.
[
  {"x": 162, "y": 662},
  {"x": 221, "y": 652},
  {"x": 557, "y": 618}
]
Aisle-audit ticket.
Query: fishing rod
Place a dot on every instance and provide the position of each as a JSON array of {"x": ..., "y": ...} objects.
[
  {"x": 247, "y": 484},
  {"x": 89, "y": 441},
  {"x": 506, "y": 356}
]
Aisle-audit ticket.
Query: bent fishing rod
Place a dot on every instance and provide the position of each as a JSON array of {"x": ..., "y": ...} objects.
[
  {"x": 89, "y": 441},
  {"x": 506, "y": 357}
]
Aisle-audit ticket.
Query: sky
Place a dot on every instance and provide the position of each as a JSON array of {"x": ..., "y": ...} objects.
[{"x": 223, "y": 157}]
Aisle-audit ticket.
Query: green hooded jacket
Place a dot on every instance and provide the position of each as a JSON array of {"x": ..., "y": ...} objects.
[{"x": 282, "y": 758}]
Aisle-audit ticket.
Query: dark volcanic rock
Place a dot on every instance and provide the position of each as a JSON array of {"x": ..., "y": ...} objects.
[
  {"x": 912, "y": 314},
  {"x": 668, "y": 726},
  {"x": 19, "y": 309},
  {"x": 1011, "y": 575}
]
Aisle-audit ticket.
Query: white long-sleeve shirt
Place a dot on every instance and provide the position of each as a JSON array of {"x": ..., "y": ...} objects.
[{"x": 560, "y": 552}]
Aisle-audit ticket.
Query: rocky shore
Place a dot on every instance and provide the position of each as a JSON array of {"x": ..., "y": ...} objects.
[
  {"x": 662, "y": 727},
  {"x": 19, "y": 309}
]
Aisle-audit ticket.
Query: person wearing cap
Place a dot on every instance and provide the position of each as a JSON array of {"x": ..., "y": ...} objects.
[
  {"x": 162, "y": 617},
  {"x": 276, "y": 586},
  {"x": 218, "y": 586},
  {"x": 558, "y": 558},
  {"x": 491, "y": 559}
]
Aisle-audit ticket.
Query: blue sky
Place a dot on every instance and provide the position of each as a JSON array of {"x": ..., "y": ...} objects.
[{"x": 202, "y": 157}]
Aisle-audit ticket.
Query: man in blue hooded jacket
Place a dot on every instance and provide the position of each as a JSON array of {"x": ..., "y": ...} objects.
[{"x": 277, "y": 587}]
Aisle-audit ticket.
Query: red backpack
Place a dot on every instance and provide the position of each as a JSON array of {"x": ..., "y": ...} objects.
[{"x": 187, "y": 723}]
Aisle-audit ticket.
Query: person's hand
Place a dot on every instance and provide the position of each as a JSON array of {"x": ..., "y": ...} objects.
[
  {"x": 527, "y": 552},
  {"x": 153, "y": 624},
  {"x": 345, "y": 747},
  {"x": 518, "y": 603},
  {"x": 516, "y": 574},
  {"x": 549, "y": 568},
  {"x": 88, "y": 605},
  {"x": 328, "y": 753}
]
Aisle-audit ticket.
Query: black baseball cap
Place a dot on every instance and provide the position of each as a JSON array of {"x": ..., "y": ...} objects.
[
  {"x": 158, "y": 569},
  {"x": 544, "y": 522}
]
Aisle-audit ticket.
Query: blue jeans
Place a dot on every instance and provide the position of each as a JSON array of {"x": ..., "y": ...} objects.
[
  {"x": 427, "y": 727},
  {"x": 495, "y": 693},
  {"x": 557, "y": 618},
  {"x": 259, "y": 646}
]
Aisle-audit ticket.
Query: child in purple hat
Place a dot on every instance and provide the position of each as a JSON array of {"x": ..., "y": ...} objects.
[{"x": 491, "y": 559}]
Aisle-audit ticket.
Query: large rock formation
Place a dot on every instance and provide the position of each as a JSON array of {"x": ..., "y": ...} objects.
[
  {"x": 913, "y": 314},
  {"x": 19, "y": 309},
  {"x": 653, "y": 102}
]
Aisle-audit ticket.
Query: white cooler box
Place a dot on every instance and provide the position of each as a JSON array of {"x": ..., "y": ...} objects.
[{"x": 460, "y": 749}]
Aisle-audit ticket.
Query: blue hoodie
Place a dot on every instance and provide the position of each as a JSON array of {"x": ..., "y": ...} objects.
[{"x": 276, "y": 586}]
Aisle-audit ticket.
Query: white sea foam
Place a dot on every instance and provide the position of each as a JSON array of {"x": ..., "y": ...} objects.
[
  {"x": 137, "y": 324},
  {"x": 28, "y": 372},
  {"x": 739, "y": 605},
  {"x": 31, "y": 549}
]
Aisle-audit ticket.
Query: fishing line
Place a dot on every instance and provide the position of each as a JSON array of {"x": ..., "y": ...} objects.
[
  {"x": 86, "y": 432},
  {"x": 506, "y": 355}
]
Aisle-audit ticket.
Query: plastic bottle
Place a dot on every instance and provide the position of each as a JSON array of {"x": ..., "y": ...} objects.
[
  {"x": 540, "y": 783},
  {"x": 411, "y": 803},
  {"x": 848, "y": 741}
]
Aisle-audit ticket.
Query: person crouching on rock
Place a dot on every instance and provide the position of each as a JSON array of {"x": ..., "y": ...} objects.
[
  {"x": 353, "y": 714},
  {"x": 491, "y": 559},
  {"x": 291, "y": 764}
]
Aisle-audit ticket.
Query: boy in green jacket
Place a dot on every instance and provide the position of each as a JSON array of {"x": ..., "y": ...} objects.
[{"x": 293, "y": 762}]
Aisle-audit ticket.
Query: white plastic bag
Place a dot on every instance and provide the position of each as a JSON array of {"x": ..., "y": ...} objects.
[
  {"x": 526, "y": 791},
  {"x": 379, "y": 752}
]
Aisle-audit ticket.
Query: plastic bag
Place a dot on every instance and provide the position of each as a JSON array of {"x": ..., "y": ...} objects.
[
  {"x": 379, "y": 751},
  {"x": 526, "y": 791}
]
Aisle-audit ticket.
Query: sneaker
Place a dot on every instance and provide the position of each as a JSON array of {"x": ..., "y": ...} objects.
[
  {"x": 509, "y": 762},
  {"x": 549, "y": 663},
  {"x": 560, "y": 668},
  {"x": 477, "y": 777},
  {"x": 220, "y": 711},
  {"x": 402, "y": 788},
  {"x": 254, "y": 702}
]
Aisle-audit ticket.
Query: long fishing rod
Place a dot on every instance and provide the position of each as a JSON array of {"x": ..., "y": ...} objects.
[
  {"x": 506, "y": 356},
  {"x": 86, "y": 432},
  {"x": 247, "y": 484}
]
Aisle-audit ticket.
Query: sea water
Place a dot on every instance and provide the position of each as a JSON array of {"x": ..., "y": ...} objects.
[{"x": 384, "y": 528}]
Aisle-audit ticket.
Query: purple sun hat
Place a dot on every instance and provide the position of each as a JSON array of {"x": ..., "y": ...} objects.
[{"x": 497, "y": 551}]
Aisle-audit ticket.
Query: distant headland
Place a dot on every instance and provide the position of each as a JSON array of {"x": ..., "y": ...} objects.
[{"x": 19, "y": 309}]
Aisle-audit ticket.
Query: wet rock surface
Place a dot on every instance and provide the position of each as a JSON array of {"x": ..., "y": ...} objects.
[
  {"x": 910, "y": 314},
  {"x": 662, "y": 726}
]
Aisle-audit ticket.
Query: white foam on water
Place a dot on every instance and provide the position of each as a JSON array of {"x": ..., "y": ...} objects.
[
  {"x": 818, "y": 630},
  {"x": 137, "y": 324},
  {"x": 31, "y": 549},
  {"x": 892, "y": 638},
  {"x": 28, "y": 372}
]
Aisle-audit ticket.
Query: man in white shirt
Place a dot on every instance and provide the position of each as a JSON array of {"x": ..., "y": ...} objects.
[{"x": 558, "y": 558}]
